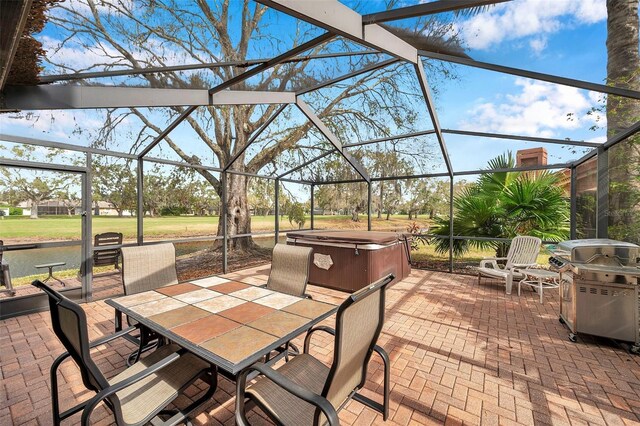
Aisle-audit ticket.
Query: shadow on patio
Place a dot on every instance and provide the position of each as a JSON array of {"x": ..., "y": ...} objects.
[{"x": 461, "y": 353}]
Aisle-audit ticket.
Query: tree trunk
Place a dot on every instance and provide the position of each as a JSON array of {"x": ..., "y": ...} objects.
[
  {"x": 238, "y": 213},
  {"x": 388, "y": 214},
  {"x": 623, "y": 70},
  {"x": 34, "y": 209}
]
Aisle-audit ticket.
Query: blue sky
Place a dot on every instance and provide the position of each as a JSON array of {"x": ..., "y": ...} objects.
[{"x": 562, "y": 37}]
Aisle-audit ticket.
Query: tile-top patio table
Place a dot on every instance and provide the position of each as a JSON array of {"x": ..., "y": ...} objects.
[{"x": 228, "y": 323}]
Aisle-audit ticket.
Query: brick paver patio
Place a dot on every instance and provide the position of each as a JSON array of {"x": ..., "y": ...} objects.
[{"x": 462, "y": 353}]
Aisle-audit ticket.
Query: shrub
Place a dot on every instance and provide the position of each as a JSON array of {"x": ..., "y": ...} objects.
[
  {"x": 15, "y": 211},
  {"x": 173, "y": 211},
  {"x": 296, "y": 215}
]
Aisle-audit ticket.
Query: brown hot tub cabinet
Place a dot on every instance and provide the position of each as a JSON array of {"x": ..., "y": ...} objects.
[{"x": 350, "y": 260}]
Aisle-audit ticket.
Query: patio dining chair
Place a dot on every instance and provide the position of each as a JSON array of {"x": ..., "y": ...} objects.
[
  {"x": 523, "y": 252},
  {"x": 146, "y": 268},
  {"x": 290, "y": 269},
  {"x": 107, "y": 257},
  {"x": 138, "y": 394},
  {"x": 304, "y": 391},
  {"x": 290, "y": 274},
  {"x": 5, "y": 274}
]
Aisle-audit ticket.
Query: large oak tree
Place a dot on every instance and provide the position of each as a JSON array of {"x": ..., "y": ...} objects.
[{"x": 148, "y": 33}]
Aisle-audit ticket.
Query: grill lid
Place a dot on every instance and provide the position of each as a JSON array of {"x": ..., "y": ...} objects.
[
  {"x": 599, "y": 251},
  {"x": 594, "y": 242}
]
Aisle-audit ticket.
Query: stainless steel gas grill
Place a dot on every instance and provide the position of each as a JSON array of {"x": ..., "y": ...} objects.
[{"x": 599, "y": 288}]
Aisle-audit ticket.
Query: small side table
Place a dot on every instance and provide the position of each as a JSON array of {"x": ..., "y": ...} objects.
[
  {"x": 50, "y": 266},
  {"x": 539, "y": 279}
]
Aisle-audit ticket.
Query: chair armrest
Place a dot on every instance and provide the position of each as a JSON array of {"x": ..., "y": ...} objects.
[
  {"x": 492, "y": 261},
  {"x": 105, "y": 393},
  {"x": 95, "y": 343},
  {"x": 307, "y": 338},
  {"x": 285, "y": 383},
  {"x": 114, "y": 336},
  {"x": 523, "y": 265}
]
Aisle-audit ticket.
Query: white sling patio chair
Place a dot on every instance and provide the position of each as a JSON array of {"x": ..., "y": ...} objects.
[{"x": 523, "y": 253}]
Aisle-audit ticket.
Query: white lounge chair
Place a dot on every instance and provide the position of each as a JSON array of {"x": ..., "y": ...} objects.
[{"x": 523, "y": 253}]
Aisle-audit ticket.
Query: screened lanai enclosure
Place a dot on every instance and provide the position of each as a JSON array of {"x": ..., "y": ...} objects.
[{"x": 220, "y": 126}]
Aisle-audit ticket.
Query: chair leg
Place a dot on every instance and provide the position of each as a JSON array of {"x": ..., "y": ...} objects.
[
  {"x": 387, "y": 380},
  {"x": 509, "y": 280},
  {"x": 292, "y": 350},
  {"x": 540, "y": 288}
]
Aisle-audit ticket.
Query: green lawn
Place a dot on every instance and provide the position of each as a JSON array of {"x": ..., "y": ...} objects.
[{"x": 20, "y": 229}]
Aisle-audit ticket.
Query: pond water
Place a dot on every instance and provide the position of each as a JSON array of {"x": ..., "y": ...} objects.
[{"x": 22, "y": 262}]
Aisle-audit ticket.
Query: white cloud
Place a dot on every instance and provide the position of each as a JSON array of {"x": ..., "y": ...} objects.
[
  {"x": 538, "y": 109},
  {"x": 519, "y": 19},
  {"x": 598, "y": 139},
  {"x": 538, "y": 44}
]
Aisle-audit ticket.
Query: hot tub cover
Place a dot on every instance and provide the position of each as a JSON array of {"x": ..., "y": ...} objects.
[{"x": 350, "y": 237}]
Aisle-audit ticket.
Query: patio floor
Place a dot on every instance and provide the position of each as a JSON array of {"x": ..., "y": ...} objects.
[{"x": 462, "y": 353}]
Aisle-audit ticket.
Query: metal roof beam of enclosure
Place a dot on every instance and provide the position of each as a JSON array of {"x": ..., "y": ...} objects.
[
  {"x": 372, "y": 141},
  {"x": 609, "y": 143},
  {"x": 580, "y": 84},
  {"x": 272, "y": 62},
  {"x": 307, "y": 163},
  {"x": 36, "y": 165},
  {"x": 425, "y": 9},
  {"x": 335, "y": 17},
  {"x": 339, "y": 182},
  {"x": 181, "y": 164},
  {"x": 237, "y": 79},
  {"x": 254, "y": 137},
  {"x": 207, "y": 65},
  {"x": 85, "y": 97},
  {"x": 426, "y": 92},
  {"x": 588, "y": 156},
  {"x": 366, "y": 69},
  {"x": 308, "y": 112},
  {"x": 236, "y": 172},
  {"x": 522, "y": 138},
  {"x": 635, "y": 128},
  {"x": 514, "y": 169},
  {"x": 427, "y": 175},
  {"x": 389, "y": 138},
  {"x": 64, "y": 146}
]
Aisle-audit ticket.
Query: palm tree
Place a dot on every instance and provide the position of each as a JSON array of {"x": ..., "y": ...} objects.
[
  {"x": 623, "y": 70},
  {"x": 506, "y": 204}
]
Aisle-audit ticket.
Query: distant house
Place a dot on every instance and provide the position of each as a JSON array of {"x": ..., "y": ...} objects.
[
  {"x": 105, "y": 208},
  {"x": 58, "y": 207},
  {"x": 49, "y": 207}
]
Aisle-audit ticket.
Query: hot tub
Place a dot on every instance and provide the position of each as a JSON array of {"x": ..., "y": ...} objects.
[{"x": 350, "y": 260}]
